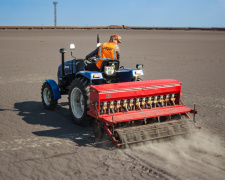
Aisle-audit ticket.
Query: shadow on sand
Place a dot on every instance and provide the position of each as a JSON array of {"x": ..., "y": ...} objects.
[{"x": 58, "y": 123}]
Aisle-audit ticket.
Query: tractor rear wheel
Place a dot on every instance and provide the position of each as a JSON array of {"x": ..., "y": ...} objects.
[
  {"x": 79, "y": 97},
  {"x": 47, "y": 97}
]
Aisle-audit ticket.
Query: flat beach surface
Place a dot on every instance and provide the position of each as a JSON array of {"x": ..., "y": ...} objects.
[{"x": 39, "y": 144}]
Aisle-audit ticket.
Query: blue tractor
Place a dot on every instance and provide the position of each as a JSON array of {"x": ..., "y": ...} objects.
[{"x": 75, "y": 81}]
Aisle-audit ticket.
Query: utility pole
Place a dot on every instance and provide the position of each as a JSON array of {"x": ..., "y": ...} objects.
[{"x": 55, "y": 4}]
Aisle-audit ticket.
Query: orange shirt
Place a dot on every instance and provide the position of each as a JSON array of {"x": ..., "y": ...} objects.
[{"x": 107, "y": 51}]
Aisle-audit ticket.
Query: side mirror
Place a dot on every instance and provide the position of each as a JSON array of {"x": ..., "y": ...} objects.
[
  {"x": 72, "y": 47},
  {"x": 139, "y": 66}
]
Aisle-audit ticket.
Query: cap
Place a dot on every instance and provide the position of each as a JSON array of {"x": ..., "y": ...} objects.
[{"x": 117, "y": 37}]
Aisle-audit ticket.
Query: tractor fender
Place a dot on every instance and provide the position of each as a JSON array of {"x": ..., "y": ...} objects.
[
  {"x": 89, "y": 75},
  {"x": 135, "y": 72},
  {"x": 55, "y": 88},
  {"x": 126, "y": 75}
]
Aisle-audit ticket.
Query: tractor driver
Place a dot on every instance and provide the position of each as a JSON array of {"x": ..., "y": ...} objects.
[{"x": 109, "y": 50}]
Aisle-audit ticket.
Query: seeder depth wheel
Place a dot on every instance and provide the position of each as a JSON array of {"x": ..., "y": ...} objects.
[{"x": 97, "y": 130}]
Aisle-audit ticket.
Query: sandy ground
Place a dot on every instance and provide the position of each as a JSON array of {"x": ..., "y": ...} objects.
[{"x": 39, "y": 144}]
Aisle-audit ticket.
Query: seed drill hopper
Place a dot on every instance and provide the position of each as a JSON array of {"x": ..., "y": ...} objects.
[{"x": 140, "y": 111}]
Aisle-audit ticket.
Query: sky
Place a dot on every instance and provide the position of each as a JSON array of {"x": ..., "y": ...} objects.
[{"x": 148, "y": 13}]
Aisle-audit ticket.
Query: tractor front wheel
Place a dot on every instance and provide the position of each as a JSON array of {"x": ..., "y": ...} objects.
[{"x": 47, "y": 97}]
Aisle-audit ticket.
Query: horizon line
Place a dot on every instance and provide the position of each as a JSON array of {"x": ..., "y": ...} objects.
[{"x": 114, "y": 27}]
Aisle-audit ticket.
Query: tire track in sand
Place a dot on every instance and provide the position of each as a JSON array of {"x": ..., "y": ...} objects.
[{"x": 201, "y": 156}]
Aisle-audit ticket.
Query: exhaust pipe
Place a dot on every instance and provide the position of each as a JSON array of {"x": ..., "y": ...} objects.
[
  {"x": 62, "y": 51},
  {"x": 98, "y": 39}
]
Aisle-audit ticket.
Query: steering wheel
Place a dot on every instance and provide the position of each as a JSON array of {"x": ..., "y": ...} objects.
[{"x": 93, "y": 59}]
